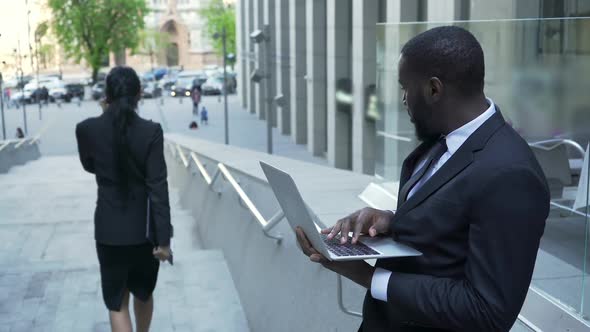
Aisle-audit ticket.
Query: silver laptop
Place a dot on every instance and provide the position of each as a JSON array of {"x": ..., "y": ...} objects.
[{"x": 298, "y": 215}]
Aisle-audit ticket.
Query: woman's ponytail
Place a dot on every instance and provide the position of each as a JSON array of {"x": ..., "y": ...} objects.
[{"x": 122, "y": 93}]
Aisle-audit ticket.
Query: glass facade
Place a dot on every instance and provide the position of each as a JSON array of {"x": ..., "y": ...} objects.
[{"x": 537, "y": 72}]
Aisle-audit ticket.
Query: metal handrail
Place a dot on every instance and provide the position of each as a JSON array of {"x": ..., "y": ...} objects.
[
  {"x": 7, "y": 143},
  {"x": 393, "y": 137},
  {"x": 341, "y": 301},
  {"x": 182, "y": 156},
  {"x": 266, "y": 225},
  {"x": 201, "y": 168},
  {"x": 35, "y": 139},
  {"x": 529, "y": 324},
  {"x": 172, "y": 148},
  {"x": 557, "y": 142},
  {"x": 21, "y": 142}
]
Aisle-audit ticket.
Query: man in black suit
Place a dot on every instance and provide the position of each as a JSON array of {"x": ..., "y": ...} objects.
[{"x": 472, "y": 199}]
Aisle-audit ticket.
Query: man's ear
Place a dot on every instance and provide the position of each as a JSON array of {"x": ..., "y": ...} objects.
[{"x": 435, "y": 87}]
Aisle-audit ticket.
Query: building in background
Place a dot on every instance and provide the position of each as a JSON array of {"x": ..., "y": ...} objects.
[
  {"x": 324, "y": 63},
  {"x": 184, "y": 34}
]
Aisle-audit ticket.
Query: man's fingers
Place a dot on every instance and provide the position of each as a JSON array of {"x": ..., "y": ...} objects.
[
  {"x": 318, "y": 258},
  {"x": 327, "y": 230},
  {"x": 344, "y": 232},
  {"x": 372, "y": 231},
  {"x": 358, "y": 227},
  {"x": 336, "y": 229},
  {"x": 303, "y": 242}
]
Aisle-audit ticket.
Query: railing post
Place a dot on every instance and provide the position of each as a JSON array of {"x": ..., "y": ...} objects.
[
  {"x": 272, "y": 222},
  {"x": 341, "y": 301}
]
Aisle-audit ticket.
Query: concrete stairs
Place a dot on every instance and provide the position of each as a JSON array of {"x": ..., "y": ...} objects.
[{"x": 49, "y": 276}]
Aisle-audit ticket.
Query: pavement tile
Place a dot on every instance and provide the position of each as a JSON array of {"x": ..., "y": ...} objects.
[
  {"x": 22, "y": 326},
  {"x": 49, "y": 275}
]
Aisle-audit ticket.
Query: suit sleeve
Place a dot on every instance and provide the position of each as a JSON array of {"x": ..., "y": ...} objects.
[
  {"x": 507, "y": 222},
  {"x": 83, "y": 149},
  {"x": 157, "y": 183}
]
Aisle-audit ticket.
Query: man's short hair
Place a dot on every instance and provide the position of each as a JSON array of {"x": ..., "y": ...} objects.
[{"x": 450, "y": 53}]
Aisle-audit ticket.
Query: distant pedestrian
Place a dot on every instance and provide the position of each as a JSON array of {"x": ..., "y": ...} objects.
[
  {"x": 196, "y": 96},
  {"x": 20, "y": 134},
  {"x": 45, "y": 95},
  {"x": 132, "y": 217},
  {"x": 7, "y": 97},
  {"x": 204, "y": 116}
]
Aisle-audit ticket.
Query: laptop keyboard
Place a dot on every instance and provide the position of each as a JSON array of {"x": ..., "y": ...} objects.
[{"x": 348, "y": 249}]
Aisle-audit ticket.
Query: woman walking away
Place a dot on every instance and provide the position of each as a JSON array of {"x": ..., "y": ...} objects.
[{"x": 125, "y": 152}]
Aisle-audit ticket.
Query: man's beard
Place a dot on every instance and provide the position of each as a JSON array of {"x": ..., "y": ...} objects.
[{"x": 424, "y": 135}]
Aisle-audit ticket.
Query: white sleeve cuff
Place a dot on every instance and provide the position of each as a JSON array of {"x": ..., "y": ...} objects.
[{"x": 379, "y": 284}]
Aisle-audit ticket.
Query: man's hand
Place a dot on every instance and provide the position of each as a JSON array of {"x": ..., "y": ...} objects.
[
  {"x": 357, "y": 271},
  {"x": 366, "y": 221},
  {"x": 162, "y": 253}
]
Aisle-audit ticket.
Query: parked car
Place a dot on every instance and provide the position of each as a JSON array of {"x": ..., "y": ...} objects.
[
  {"x": 22, "y": 96},
  {"x": 151, "y": 90},
  {"x": 98, "y": 90},
  {"x": 185, "y": 83},
  {"x": 76, "y": 90},
  {"x": 168, "y": 81},
  {"x": 200, "y": 79},
  {"x": 213, "y": 86},
  {"x": 59, "y": 92},
  {"x": 23, "y": 81},
  {"x": 159, "y": 73},
  {"x": 212, "y": 70}
]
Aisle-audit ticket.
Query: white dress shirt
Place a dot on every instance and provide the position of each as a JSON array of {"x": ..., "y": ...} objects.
[{"x": 454, "y": 141}]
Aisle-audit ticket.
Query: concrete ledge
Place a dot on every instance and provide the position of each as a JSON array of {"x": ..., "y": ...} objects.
[
  {"x": 280, "y": 289},
  {"x": 17, "y": 152}
]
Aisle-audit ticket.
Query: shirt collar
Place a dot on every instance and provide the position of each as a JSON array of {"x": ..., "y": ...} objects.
[{"x": 458, "y": 136}]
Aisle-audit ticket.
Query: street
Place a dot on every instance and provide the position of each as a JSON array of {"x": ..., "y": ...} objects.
[{"x": 245, "y": 129}]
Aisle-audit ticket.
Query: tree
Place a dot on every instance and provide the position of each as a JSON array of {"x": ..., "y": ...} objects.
[
  {"x": 152, "y": 43},
  {"x": 217, "y": 16},
  {"x": 46, "y": 54},
  {"x": 91, "y": 29},
  {"x": 44, "y": 51}
]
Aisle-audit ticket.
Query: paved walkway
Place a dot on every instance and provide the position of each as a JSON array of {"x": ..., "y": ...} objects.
[
  {"x": 246, "y": 130},
  {"x": 49, "y": 278}
]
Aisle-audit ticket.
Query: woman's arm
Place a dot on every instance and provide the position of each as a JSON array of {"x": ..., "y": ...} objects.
[
  {"x": 83, "y": 152},
  {"x": 156, "y": 180}
]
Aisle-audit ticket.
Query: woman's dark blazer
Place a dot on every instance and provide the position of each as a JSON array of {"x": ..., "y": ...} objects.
[{"x": 120, "y": 217}]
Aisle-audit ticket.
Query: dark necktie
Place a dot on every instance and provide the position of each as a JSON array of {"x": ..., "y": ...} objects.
[{"x": 439, "y": 148}]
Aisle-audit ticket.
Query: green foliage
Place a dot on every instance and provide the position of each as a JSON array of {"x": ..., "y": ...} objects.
[
  {"x": 46, "y": 54},
  {"x": 91, "y": 29},
  {"x": 217, "y": 16},
  {"x": 41, "y": 30},
  {"x": 151, "y": 40}
]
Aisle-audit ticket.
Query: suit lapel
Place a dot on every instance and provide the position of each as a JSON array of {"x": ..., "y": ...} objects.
[
  {"x": 410, "y": 163},
  {"x": 461, "y": 159},
  {"x": 457, "y": 163}
]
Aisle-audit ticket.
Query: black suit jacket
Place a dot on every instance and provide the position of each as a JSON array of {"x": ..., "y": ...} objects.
[
  {"x": 478, "y": 222},
  {"x": 120, "y": 220}
]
